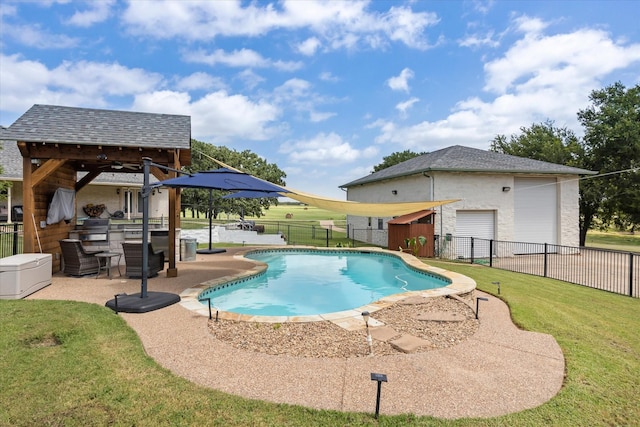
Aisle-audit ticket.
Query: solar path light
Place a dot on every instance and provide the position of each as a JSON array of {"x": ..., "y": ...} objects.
[
  {"x": 497, "y": 283},
  {"x": 380, "y": 378},
  {"x": 365, "y": 316},
  {"x": 478, "y": 304}
]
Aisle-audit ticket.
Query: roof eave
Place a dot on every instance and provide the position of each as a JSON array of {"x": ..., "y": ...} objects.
[{"x": 465, "y": 170}]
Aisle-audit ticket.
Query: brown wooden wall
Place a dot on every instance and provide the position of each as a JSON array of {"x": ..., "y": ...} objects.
[
  {"x": 63, "y": 177},
  {"x": 399, "y": 232}
]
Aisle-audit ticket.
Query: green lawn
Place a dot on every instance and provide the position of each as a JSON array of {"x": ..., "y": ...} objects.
[
  {"x": 77, "y": 364},
  {"x": 613, "y": 240},
  {"x": 299, "y": 214}
]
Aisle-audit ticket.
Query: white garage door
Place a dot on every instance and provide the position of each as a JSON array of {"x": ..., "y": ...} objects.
[
  {"x": 478, "y": 224},
  {"x": 535, "y": 210}
]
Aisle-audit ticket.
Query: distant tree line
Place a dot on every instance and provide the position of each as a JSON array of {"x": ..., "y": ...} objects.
[{"x": 202, "y": 159}]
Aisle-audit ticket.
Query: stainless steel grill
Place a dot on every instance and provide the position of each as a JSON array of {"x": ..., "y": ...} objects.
[{"x": 94, "y": 230}]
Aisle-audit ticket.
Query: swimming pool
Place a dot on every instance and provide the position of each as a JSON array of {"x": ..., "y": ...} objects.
[{"x": 311, "y": 282}]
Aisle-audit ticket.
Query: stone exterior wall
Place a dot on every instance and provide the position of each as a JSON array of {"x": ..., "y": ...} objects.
[
  {"x": 569, "y": 211},
  {"x": 477, "y": 191}
]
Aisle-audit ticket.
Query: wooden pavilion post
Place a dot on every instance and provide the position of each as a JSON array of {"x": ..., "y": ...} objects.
[
  {"x": 174, "y": 218},
  {"x": 28, "y": 207}
]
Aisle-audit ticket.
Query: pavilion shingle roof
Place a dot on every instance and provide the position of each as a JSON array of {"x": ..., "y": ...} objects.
[
  {"x": 464, "y": 159},
  {"x": 86, "y": 126}
]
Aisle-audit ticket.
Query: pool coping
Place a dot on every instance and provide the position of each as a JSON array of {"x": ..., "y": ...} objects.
[{"x": 459, "y": 285}]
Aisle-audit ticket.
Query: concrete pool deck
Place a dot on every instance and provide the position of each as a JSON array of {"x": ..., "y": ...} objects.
[{"x": 498, "y": 370}]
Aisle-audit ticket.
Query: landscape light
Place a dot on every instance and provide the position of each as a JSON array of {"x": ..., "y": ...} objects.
[
  {"x": 365, "y": 316},
  {"x": 380, "y": 378}
]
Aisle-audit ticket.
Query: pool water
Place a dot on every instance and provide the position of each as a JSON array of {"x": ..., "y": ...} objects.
[{"x": 298, "y": 283}]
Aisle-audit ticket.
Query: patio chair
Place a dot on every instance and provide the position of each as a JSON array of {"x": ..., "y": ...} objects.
[
  {"x": 77, "y": 260},
  {"x": 133, "y": 260}
]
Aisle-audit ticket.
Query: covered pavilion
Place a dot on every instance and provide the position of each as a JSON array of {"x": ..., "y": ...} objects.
[{"x": 60, "y": 143}]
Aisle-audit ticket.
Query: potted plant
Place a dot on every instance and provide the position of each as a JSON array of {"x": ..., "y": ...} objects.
[{"x": 414, "y": 244}]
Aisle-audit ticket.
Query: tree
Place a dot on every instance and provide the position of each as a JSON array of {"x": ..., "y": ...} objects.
[
  {"x": 612, "y": 144},
  {"x": 542, "y": 141},
  {"x": 202, "y": 155},
  {"x": 395, "y": 158}
]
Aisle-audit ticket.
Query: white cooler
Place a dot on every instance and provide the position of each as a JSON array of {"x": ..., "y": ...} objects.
[{"x": 23, "y": 274}]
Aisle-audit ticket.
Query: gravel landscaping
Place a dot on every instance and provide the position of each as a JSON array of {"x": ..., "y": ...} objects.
[{"x": 327, "y": 340}]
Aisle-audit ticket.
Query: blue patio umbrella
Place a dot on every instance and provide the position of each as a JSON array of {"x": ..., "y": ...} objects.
[{"x": 223, "y": 179}]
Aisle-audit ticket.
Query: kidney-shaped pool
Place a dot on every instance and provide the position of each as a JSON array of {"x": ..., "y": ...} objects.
[{"x": 309, "y": 282}]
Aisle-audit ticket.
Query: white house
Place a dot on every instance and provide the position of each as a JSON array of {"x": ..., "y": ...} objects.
[{"x": 501, "y": 197}]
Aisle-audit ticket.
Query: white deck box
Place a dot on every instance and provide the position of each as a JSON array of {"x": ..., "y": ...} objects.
[{"x": 23, "y": 274}]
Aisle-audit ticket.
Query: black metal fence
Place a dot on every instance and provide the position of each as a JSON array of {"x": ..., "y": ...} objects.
[
  {"x": 11, "y": 239},
  {"x": 608, "y": 270},
  {"x": 297, "y": 234},
  {"x": 613, "y": 271},
  {"x": 292, "y": 233}
]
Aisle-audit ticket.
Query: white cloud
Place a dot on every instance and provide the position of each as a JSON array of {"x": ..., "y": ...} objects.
[
  {"x": 335, "y": 24},
  {"x": 293, "y": 89},
  {"x": 328, "y": 77},
  {"x": 200, "y": 81},
  {"x": 402, "y": 107},
  {"x": 401, "y": 82},
  {"x": 7, "y": 10},
  {"x": 217, "y": 117},
  {"x": 250, "y": 78},
  {"x": 309, "y": 46},
  {"x": 35, "y": 36},
  {"x": 297, "y": 94},
  {"x": 327, "y": 149},
  {"x": 80, "y": 84},
  {"x": 239, "y": 58},
  {"x": 482, "y": 7},
  {"x": 316, "y": 117},
  {"x": 17, "y": 96},
  {"x": 408, "y": 27},
  {"x": 96, "y": 80},
  {"x": 98, "y": 11},
  {"x": 575, "y": 59},
  {"x": 478, "y": 40},
  {"x": 540, "y": 77}
]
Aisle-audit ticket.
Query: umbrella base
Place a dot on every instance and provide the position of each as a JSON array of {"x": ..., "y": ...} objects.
[
  {"x": 135, "y": 304},
  {"x": 211, "y": 251}
]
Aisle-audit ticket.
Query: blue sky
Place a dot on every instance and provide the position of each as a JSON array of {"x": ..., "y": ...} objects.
[{"x": 324, "y": 90}]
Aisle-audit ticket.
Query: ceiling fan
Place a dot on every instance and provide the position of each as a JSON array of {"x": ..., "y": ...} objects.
[{"x": 119, "y": 166}]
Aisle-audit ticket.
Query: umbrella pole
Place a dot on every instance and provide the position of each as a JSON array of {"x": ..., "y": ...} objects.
[
  {"x": 210, "y": 250},
  {"x": 145, "y": 228},
  {"x": 210, "y": 216}
]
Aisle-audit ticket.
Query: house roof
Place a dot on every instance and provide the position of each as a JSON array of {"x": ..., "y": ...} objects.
[
  {"x": 465, "y": 159},
  {"x": 11, "y": 161},
  {"x": 86, "y": 126}
]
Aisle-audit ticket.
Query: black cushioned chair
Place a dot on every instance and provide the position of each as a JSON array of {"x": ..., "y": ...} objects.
[
  {"x": 77, "y": 260},
  {"x": 133, "y": 260}
]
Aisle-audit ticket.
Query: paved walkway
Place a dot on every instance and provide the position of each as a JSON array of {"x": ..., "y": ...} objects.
[
  {"x": 499, "y": 370},
  {"x": 328, "y": 224}
]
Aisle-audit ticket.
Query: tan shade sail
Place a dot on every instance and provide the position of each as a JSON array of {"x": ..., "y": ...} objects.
[
  {"x": 356, "y": 208},
  {"x": 365, "y": 209}
]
